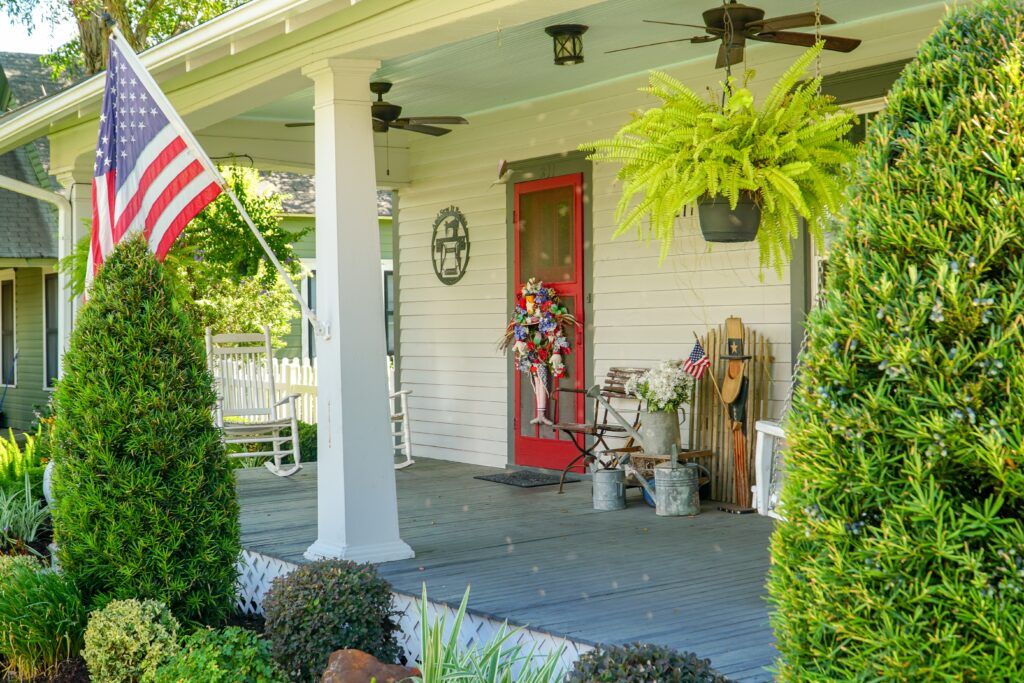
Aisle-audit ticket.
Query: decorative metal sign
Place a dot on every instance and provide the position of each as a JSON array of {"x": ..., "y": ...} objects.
[{"x": 450, "y": 245}]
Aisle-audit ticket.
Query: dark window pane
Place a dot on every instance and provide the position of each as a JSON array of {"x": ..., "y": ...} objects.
[
  {"x": 546, "y": 235},
  {"x": 52, "y": 340},
  {"x": 389, "y": 311},
  {"x": 7, "y": 332},
  {"x": 311, "y": 336}
]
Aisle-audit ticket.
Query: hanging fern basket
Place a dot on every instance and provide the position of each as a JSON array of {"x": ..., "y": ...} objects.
[{"x": 719, "y": 222}]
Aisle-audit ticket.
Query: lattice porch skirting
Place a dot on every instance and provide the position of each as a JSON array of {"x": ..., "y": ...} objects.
[{"x": 257, "y": 571}]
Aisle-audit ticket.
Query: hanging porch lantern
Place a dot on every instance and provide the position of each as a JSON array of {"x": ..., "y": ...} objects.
[{"x": 568, "y": 40}]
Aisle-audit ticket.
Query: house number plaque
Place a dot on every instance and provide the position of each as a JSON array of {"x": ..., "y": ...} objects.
[{"x": 449, "y": 246}]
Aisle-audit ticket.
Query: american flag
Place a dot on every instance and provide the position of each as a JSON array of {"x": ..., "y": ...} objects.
[
  {"x": 150, "y": 175},
  {"x": 698, "y": 362}
]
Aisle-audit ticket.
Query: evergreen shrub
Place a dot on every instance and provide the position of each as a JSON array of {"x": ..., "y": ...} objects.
[
  {"x": 902, "y": 554},
  {"x": 126, "y": 641},
  {"x": 230, "y": 655},
  {"x": 307, "y": 441},
  {"x": 326, "y": 606},
  {"x": 642, "y": 663},
  {"x": 42, "y": 619},
  {"x": 145, "y": 498}
]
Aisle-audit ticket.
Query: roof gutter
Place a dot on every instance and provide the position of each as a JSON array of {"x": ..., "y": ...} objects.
[
  {"x": 60, "y": 201},
  {"x": 63, "y": 204},
  {"x": 34, "y": 119}
]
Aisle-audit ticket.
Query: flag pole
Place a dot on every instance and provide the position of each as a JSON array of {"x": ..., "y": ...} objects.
[
  {"x": 319, "y": 328},
  {"x": 712, "y": 373}
]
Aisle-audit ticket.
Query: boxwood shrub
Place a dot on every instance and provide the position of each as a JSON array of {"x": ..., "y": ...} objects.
[
  {"x": 127, "y": 640},
  {"x": 145, "y": 500},
  {"x": 642, "y": 663},
  {"x": 325, "y": 606},
  {"x": 902, "y": 554}
]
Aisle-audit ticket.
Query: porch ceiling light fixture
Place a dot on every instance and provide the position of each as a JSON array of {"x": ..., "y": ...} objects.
[{"x": 568, "y": 42}]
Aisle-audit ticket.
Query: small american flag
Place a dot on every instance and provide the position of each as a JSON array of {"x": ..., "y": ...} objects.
[
  {"x": 150, "y": 175},
  {"x": 698, "y": 362}
]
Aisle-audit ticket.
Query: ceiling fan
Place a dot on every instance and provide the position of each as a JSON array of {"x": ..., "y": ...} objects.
[
  {"x": 734, "y": 23},
  {"x": 387, "y": 116}
]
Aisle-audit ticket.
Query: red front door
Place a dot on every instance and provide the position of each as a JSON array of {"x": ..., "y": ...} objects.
[{"x": 548, "y": 223}]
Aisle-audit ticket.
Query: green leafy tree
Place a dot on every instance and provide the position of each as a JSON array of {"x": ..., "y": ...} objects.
[
  {"x": 145, "y": 504},
  {"x": 902, "y": 554},
  {"x": 144, "y": 23},
  {"x": 219, "y": 268},
  {"x": 223, "y": 268}
]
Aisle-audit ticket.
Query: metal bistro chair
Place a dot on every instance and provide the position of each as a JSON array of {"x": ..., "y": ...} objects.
[
  {"x": 248, "y": 411},
  {"x": 601, "y": 427}
]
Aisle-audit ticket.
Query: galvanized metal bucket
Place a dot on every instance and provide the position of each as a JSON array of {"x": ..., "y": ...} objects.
[
  {"x": 609, "y": 489},
  {"x": 677, "y": 490},
  {"x": 659, "y": 431}
]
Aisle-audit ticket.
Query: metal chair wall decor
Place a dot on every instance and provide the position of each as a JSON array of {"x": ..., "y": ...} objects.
[{"x": 449, "y": 245}]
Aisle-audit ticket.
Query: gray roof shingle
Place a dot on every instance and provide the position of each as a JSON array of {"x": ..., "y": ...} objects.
[
  {"x": 27, "y": 226},
  {"x": 28, "y": 78},
  {"x": 300, "y": 195}
]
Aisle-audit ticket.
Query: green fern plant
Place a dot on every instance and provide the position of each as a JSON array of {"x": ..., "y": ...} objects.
[{"x": 789, "y": 154}]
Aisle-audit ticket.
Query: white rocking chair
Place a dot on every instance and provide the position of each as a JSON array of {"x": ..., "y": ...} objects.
[
  {"x": 398, "y": 404},
  {"x": 248, "y": 411}
]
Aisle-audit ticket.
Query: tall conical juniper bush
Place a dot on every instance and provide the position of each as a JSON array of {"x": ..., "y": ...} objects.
[
  {"x": 902, "y": 557},
  {"x": 145, "y": 499}
]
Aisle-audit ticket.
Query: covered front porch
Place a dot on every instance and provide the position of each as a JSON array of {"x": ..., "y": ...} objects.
[{"x": 551, "y": 562}]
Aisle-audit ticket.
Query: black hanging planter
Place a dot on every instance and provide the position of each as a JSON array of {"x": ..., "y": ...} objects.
[{"x": 720, "y": 223}]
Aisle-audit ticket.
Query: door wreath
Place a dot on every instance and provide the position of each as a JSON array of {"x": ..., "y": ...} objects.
[{"x": 536, "y": 334}]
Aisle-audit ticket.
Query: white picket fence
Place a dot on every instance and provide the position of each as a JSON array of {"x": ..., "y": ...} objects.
[
  {"x": 295, "y": 376},
  {"x": 298, "y": 376}
]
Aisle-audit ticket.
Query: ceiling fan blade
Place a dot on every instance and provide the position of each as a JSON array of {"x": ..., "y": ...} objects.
[
  {"x": 729, "y": 55},
  {"x": 300, "y": 124},
  {"x": 800, "y": 20},
  {"x": 834, "y": 43},
  {"x": 672, "y": 23},
  {"x": 445, "y": 120},
  {"x": 419, "y": 128},
  {"x": 662, "y": 42}
]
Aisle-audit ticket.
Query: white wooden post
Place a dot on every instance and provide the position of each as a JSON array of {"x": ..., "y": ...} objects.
[
  {"x": 357, "y": 504},
  {"x": 78, "y": 189}
]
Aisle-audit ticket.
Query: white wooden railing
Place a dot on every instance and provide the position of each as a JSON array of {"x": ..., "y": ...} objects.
[{"x": 769, "y": 467}]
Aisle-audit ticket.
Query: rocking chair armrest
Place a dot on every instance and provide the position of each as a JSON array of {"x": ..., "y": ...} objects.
[
  {"x": 287, "y": 399},
  {"x": 402, "y": 392}
]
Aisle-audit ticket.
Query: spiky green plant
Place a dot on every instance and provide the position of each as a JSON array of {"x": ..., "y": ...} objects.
[
  {"x": 42, "y": 619},
  {"x": 443, "y": 660},
  {"x": 145, "y": 503},
  {"x": 789, "y": 153},
  {"x": 22, "y": 517},
  {"x": 902, "y": 554}
]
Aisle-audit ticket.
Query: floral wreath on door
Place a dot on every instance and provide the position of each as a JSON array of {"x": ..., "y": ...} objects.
[{"x": 536, "y": 334}]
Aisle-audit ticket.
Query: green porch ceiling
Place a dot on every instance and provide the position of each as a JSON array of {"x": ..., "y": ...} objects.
[{"x": 514, "y": 63}]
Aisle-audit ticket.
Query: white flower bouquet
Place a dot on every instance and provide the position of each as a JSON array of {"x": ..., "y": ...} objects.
[{"x": 665, "y": 388}]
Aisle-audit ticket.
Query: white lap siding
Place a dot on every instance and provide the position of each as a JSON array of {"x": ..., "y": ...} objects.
[{"x": 643, "y": 311}]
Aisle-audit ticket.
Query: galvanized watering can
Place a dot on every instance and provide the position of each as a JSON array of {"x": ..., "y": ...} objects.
[{"x": 681, "y": 484}]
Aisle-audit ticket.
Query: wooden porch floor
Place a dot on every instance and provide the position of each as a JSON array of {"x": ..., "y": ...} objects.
[{"x": 551, "y": 562}]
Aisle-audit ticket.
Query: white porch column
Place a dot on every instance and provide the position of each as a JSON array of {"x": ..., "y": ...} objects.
[
  {"x": 357, "y": 505},
  {"x": 78, "y": 189}
]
